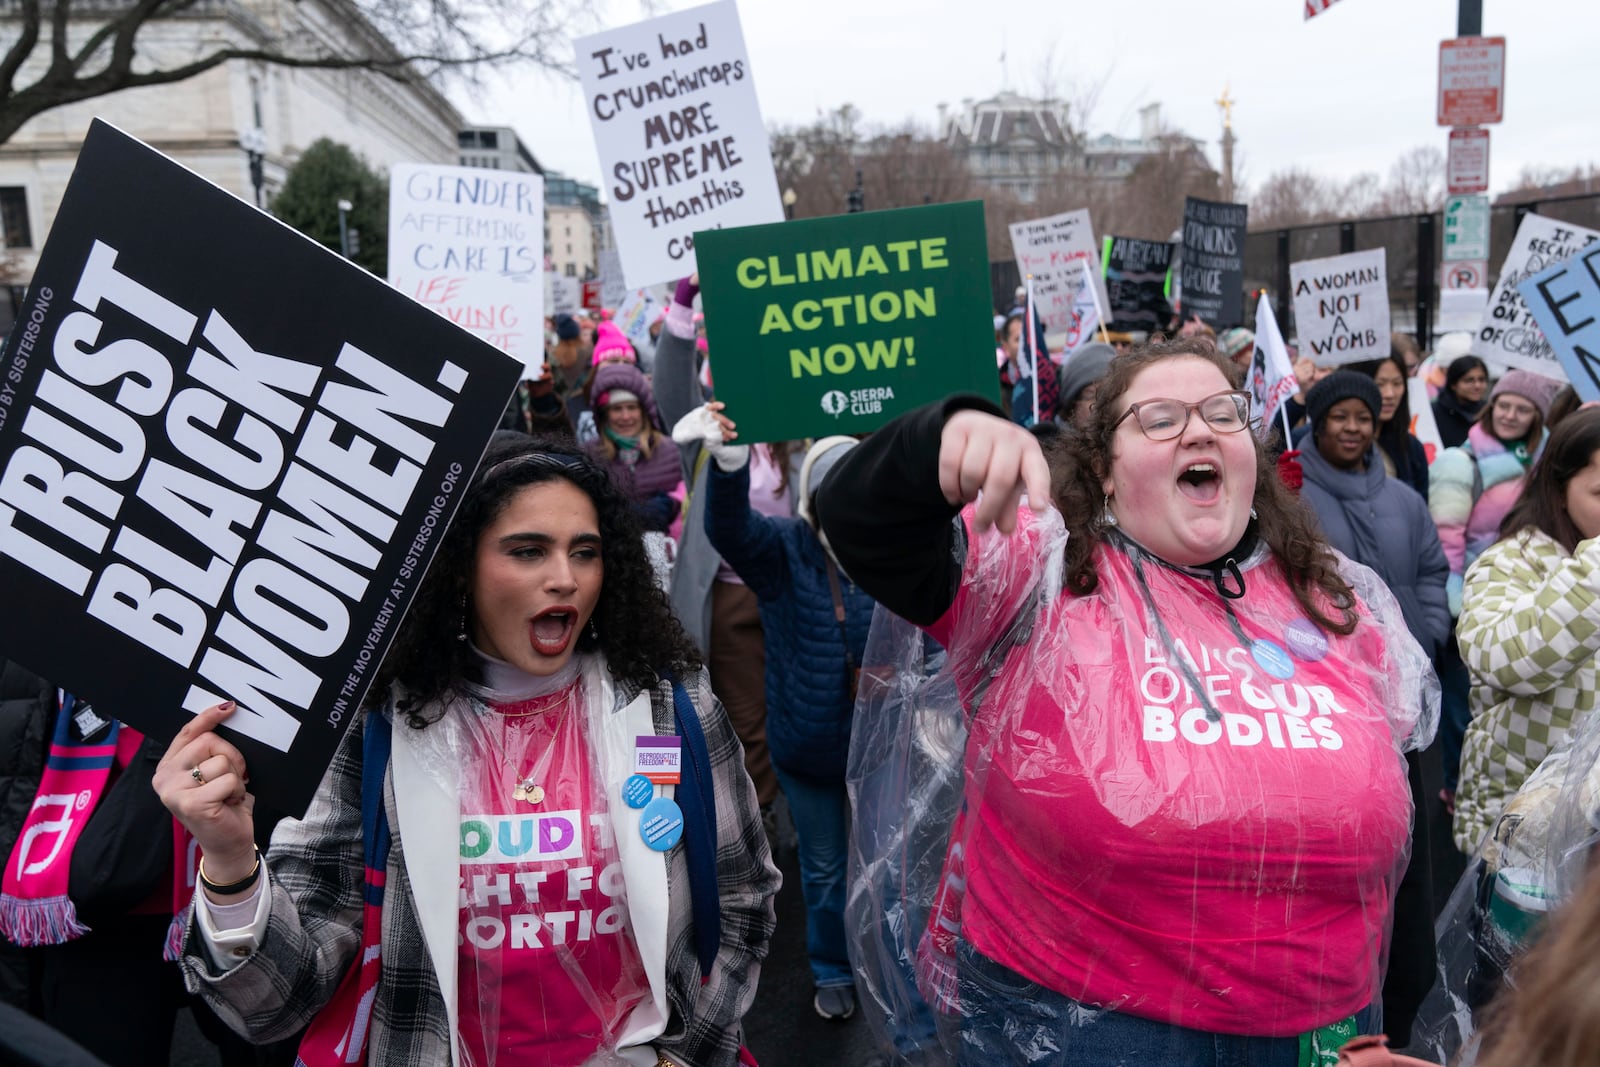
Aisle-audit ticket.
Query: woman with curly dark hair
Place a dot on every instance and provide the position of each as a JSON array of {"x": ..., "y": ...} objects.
[
  {"x": 558, "y": 898},
  {"x": 1185, "y": 805}
]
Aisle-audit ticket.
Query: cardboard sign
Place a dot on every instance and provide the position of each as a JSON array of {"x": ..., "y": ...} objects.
[
  {"x": 1508, "y": 333},
  {"x": 589, "y": 294},
  {"x": 1467, "y": 167},
  {"x": 1341, "y": 307},
  {"x": 1466, "y": 228},
  {"x": 636, "y": 311},
  {"x": 469, "y": 243},
  {"x": 1136, "y": 283},
  {"x": 1213, "y": 261},
  {"x": 680, "y": 137},
  {"x": 1060, "y": 253},
  {"x": 565, "y": 294},
  {"x": 1472, "y": 81},
  {"x": 838, "y": 324},
  {"x": 227, "y": 457},
  {"x": 613, "y": 290},
  {"x": 1565, "y": 301},
  {"x": 1423, "y": 425}
]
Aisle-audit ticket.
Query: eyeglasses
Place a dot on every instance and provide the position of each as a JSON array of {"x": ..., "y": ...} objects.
[{"x": 1162, "y": 419}]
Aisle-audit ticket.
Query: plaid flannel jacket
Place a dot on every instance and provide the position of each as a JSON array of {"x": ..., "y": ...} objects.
[
  {"x": 1529, "y": 632},
  {"x": 313, "y": 932}
]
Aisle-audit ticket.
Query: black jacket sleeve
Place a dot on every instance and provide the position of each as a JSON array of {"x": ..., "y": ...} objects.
[{"x": 887, "y": 520}]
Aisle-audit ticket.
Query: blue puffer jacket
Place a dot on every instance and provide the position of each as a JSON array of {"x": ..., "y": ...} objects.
[{"x": 781, "y": 560}]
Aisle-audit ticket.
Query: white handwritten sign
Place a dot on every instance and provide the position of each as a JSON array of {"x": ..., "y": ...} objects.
[
  {"x": 469, "y": 243},
  {"x": 678, "y": 129},
  {"x": 1341, "y": 307},
  {"x": 1061, "y": 254},
  {"x": 1509, "y": 333}
]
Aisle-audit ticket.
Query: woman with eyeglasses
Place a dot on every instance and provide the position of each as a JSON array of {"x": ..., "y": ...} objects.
[
  {"x": 1186, "y": 806},
  {"x": 542, "y": 886}
]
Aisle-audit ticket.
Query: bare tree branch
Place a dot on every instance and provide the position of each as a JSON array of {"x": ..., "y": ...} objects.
[{"x": 75, "y": 50}]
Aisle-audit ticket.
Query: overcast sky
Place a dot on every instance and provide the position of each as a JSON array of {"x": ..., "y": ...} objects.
[{"x": 1345, "y": 92}]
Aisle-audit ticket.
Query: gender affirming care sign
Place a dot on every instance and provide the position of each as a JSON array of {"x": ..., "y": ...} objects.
[
  {"x": 227, "y": 456},
  {"x": 1341, "y": 307},
  {"x": 1509, "y": 333},
  {"x": 469, "y": 243},
  {"x": 679, "y": 132},
  {"x": 837, "y": 325}
]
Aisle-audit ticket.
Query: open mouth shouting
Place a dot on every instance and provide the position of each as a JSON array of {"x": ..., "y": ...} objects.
[
  {"x": 1200, "y": 482},
  {"x": 551, "y": 631}
]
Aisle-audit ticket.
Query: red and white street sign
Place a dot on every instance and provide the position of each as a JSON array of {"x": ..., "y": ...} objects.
[
  {"x": 1465, "y": 274},
  {"x": 1472, "y": 81},
  {"x": 1468, "y": 167}
]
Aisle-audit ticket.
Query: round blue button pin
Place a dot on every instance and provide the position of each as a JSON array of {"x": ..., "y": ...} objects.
[
  {"x": 1271, "y": 657},
  {"x": 637, "y": 791},
  {"x": 661, "y": 823}
]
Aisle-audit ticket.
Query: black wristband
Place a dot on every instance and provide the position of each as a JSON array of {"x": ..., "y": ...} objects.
[{"x": 231, "y": 887}]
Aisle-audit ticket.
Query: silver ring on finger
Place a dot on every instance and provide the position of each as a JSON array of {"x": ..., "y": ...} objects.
[{"x": 194, "y": 772}]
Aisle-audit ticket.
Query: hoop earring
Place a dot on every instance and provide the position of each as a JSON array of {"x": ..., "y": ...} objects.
[
  {"x": 1107, "y": 518},
  {"x": 461, "y": 630}
]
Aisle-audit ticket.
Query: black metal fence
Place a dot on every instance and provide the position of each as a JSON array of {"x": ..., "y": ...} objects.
[
  {"x": 1411, "y": 245},
  {"x": 1412, "y": 252}
]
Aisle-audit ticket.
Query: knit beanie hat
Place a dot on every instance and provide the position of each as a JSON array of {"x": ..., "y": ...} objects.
[
  {"x": 567, "y": 328},
  {"x": 609, "y": 343},
  {"x": 1235, "y": 341},
  {"x": 1535, "y": 387},
  {"x": 1342, "y": 385},
  {"x": 820, "y": 458},
  {"x": 1082, "y": 369}
]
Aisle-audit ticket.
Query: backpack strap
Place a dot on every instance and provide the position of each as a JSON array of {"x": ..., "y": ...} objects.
[{"x": 698, "y": 801}]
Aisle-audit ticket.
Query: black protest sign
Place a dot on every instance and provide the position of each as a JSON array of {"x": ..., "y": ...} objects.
[
  {"x": 1213, "y": 261},
  {"x": 1136, "y": 283},
  {"x": 227, "y": 456}
]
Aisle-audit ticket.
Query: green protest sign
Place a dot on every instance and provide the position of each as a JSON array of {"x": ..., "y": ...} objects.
[{"x": 837, "y": 325}]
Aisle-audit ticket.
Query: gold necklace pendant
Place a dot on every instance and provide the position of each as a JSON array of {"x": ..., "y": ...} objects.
[{"x": 528, "y": 791}]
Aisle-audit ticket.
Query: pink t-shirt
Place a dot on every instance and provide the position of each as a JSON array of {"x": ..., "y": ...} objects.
[
  {"x": 1125, "y": 849},
  {"x": 548, "y": 965}
]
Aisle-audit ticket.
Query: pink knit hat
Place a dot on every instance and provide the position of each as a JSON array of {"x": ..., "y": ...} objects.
[
  {"x": 1535, "y": 387},
  {"x": 609, "y": 343}
]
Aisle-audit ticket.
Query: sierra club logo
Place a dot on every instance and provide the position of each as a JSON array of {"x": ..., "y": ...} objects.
[{"x": 857, "y": 401}]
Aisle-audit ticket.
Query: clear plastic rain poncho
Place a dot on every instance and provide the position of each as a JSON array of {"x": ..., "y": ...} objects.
[
  {"x": 1535, "y": 859},
  {"x": 1168, "y": 800},
  {"x": 548, "y": 970}
]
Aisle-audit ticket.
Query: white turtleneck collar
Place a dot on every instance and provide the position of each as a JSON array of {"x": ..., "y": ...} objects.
[{"x": 504, "y": 683}]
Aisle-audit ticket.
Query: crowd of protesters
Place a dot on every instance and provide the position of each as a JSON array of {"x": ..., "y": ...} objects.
[{"x": 1196, "y": 663}]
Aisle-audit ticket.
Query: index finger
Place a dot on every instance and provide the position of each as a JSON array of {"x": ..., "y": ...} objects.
[
  {"x": 202, "y": 723},
  {"x": 1036, "y": 476}
]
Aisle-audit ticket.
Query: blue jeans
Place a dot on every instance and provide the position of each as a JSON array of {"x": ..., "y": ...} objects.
[
  {"x": 821, "y": 820},
  {"x": 1009, "y": 1020}
]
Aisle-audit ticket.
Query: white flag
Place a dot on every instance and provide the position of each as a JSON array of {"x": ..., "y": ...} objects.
[
  {"x": 1272, "y": 378},
  {"x": 1085, "y": 324}
]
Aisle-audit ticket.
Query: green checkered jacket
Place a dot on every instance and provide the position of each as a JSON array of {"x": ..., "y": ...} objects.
[{"x": 1529, "y": 631}]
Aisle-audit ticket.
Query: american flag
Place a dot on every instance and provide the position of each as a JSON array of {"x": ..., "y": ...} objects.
[{"x": 1317, "y": 7}]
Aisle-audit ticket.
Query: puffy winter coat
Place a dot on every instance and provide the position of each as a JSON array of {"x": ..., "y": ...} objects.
[
  {"x": 1382, "y": 523},
  {"x": 1529, "y": 633},
  {"x": 1470, "y": 489},
  {"x": 808, "y": 685}
]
